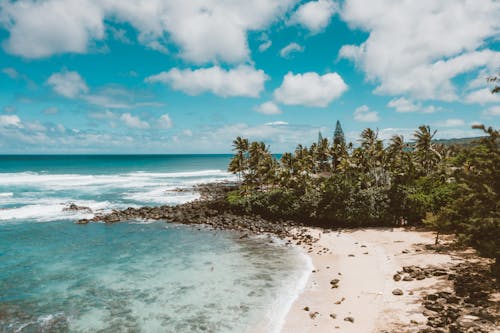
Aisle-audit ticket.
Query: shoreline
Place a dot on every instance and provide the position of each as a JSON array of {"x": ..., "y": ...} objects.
[{"x": 353, "y": 286}]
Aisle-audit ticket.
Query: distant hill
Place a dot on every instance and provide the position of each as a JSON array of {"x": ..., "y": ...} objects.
[
  {"x": 449, "y": 142},
  {"x": 460, "y": 141}
]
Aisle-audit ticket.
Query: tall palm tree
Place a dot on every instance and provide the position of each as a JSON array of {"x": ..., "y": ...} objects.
[
  {"x": 426, "y": 156},
  {"x": 238, "y": 163}
]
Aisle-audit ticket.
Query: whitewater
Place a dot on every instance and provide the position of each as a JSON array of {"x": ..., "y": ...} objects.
[{"x": 137, "y": 276}]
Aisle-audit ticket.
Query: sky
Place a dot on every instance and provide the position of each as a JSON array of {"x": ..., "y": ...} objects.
[{"x": 188, "y": 76}]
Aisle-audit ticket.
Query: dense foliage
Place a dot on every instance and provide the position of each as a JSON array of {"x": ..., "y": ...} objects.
[{"x": 450, "y": 188}]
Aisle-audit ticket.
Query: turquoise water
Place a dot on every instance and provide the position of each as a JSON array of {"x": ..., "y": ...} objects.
[{"x": 140, "y": 276}]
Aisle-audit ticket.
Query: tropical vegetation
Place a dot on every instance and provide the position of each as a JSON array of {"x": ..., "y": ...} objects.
[{"x": 450, "y": 188}]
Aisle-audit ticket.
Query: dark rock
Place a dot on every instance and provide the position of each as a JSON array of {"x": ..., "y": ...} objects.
[
  {"x": 349, "y": 319},
  {"x": 397, "y": 292},
  {"x": 74, "y": 208}
]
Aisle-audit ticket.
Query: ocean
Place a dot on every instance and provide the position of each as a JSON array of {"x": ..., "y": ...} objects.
[{"x": 137, "y": 276}]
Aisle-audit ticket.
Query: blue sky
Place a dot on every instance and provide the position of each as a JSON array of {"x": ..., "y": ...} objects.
[{"x": 110, "y": 76}]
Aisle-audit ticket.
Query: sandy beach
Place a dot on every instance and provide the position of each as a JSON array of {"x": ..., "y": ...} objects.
[{"x": 364, "y": 261}]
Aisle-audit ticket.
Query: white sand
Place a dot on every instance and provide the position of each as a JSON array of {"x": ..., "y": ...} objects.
[{"x": 366, "y": 283}]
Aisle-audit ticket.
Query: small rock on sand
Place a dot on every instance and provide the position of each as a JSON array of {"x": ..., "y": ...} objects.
[{"x": 397, "y": 292}]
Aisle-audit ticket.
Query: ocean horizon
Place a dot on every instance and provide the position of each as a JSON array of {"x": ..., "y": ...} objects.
[{"x": 137, "y": 276}]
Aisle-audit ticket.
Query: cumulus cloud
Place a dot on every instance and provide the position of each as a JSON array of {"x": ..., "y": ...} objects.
[
  {"x": 482, "y": 96},
  {"x": 133, "y": 121},
  {"x": 291, "y": 48},
  {"x": 67, "y": 26},
  {"x": 404, "y": 105},
  {"x": 204, "y": 31},
  {"x": 310, "y": 89},
  {"x": 165, "y": 122},
  {"x": 68, "y": 84},
  {"x": 10, "y": 121},
  {"x": 454, "y": 122},
  {"x": 241, "y": 81},
  {"x": 421, "y": 54},
  {"x": 364, "y": 114},
  {"x": 315, "y": 15},
  {"x": 492, "y": 111},
  {"x": 269, "y": 108}
]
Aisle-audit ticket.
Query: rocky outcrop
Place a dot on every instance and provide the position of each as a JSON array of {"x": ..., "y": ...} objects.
[
  {"x": 469, "y": 308},
  {"x": 74, "y": 208},
  {"x": 198, "y": 212}
]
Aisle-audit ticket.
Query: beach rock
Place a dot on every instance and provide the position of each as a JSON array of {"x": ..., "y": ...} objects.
[
  {"x": 397, "y": 292},
  {"x": 396, "y": 277},
  {"x": 335, "y": 283},
  {"x": 313, "y": 315},
  {"x": 306, "y": 308},
  {"x": 340, "y": 301},
  {"x": 74, "y": 208},
  {"x": 349, "y": 319}
]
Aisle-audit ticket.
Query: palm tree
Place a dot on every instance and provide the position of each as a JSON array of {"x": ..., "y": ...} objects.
[
  {"x": 238, "y": 163},
  {"x": 426, "y": 155},
  {"x": 371, "y": 152}
]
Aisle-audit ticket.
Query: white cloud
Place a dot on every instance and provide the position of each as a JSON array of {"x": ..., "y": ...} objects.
[
  {"x": 418, "y": 47},
  {"x": 133, "y": 121},
  {"x": 492, "y": 111},
  {"x": 204, "y": 31},
  {"x": 10, "y": 121},
  {"x": 67, "y": 26},
  {"x": 187, "y": 132},
  {"x": 68, "y": 84},
  {"x": 404, "y": 105},
  {"x": 277, "y": 123},
  {"x": 291, "y": 48},
  {"x": 445, "y": 133},
  {"x": 165, "y": 122},
  {"x": 269, "y": 108},
  {"x": 482, "y": 96},
  {"x": 265, "y": 45},
  {"x": 364, "y": 114},
  {"x": 240, "y": 81},
  {"x": 315, "y": 15},
  {"x": 451, "y": 123},
  {"x": 36, "y": 126},
  {"x": 60, "y": 128},
  {"x": 431, "y": 109},
  {"x": 310, "y": 89}
]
